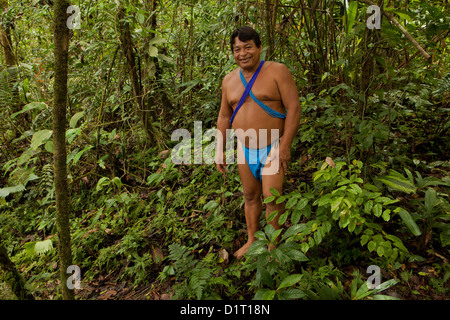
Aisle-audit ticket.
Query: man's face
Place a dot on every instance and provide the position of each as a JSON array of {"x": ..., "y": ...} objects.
[{"x": 246, "y": 54}]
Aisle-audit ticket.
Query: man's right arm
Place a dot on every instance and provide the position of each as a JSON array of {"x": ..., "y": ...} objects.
[{"x": 223, "y": 123}]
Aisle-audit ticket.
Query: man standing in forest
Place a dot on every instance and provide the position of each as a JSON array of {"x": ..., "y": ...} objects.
[{"x": 265, "y": 94}]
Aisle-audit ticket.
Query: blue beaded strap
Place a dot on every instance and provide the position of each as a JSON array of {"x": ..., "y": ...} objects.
[
  {"x": 246, "y": 91},
  {"x": 267, "y": 109}
]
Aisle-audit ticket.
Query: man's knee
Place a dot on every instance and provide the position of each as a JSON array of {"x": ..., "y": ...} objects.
[{"x": 252, "y": 196}]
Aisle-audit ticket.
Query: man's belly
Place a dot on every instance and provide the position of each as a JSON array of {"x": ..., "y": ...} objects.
[{"x": 255, "y": 128}]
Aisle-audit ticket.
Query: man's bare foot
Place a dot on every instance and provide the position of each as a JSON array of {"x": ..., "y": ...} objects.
[{"x": 243, "y": 250}]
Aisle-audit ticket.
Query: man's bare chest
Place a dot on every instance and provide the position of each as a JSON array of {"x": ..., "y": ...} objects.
[{"x": 264, "y": 89}]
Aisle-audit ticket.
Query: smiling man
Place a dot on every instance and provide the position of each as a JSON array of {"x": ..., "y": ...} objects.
[{"x": 270, "y": 106}]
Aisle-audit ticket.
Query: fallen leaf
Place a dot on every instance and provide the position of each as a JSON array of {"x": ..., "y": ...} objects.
[{"x": 330, "y": 162}]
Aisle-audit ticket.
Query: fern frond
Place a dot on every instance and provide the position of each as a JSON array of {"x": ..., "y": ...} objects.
[{"x": 396, "y": 181}]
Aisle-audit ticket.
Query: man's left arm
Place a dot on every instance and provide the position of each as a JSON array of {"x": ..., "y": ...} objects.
[{"x": 289, "y": 96}]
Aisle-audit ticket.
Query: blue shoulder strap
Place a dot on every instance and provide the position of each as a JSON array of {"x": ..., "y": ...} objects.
[
  {"x": 246, "y": 91},
  {"x": 268, "y": 110}
]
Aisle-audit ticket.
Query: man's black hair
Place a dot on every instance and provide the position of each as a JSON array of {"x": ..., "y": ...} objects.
[{"x": 245, "y": 34}]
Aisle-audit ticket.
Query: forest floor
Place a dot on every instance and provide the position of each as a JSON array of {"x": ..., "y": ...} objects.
[{"x": 418, "y": 280}]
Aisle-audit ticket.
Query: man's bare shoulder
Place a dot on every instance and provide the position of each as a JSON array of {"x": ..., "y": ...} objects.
[
  {"x": 229, "y": 76},
  {"x": 277, "y": 67}
]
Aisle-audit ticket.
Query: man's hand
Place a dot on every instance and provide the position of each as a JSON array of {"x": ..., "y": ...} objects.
[
  {"x": 285, "y": 158},
  {"x": 221, "y": 163}
]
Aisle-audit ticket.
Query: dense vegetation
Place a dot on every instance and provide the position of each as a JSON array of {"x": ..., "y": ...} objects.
[{"x": 368, "y": 183}]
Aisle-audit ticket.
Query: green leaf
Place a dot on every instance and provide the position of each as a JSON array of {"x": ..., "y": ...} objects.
[
  {"x": 368, "y": 206},
  {"x": 293, "y": 230},
  {"x": 289, "y": 281},
  {"x": 396, "y": 181},
  {"x": 74, "y": 120},
  {"x": 269, "y": 199},
  {"x": 302, "y": 203},
  {"x": 297, "y": 255},
  {"x": 295, "y": 216},
  {"x": 38, "y": 247},
  {"x": 272, "y": 216},
  {"x": 30, "y": 106},
  {"x": 6, "y": 191},
  {"x": 283, "y": 218},
  {"x": 409, "y": 222},
  {"x": 39, "y": 138},
  {"x": 157, "y": 40},
  {"x": 377, "y": 210},
  {"x": 291, "y": 202},
  {"x": 257, "y": 248},
  {"x": 386, "y": 214},
  {"x": 153, "y": 51},
  {"x": 117, "y": 181},
  {"x": 281, "y": 199},
  {"x": 104, "y": 181},
  {"x": 269, "y": 295},
  {"x": 364, "y": 239},
  {"x": 41, "y": 247},
  {"x": 274, "y": 192},
  {"x": 351, "y": 14}
]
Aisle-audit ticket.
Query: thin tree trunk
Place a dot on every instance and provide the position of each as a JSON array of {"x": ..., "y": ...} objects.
[
  {"x": 5, "y": 38},
  {"x": 127, "y": 46},
  {"x": 61, "y": 52},
  {"x": 271, "y": 8},
  {"x": 9, "y": 58}
]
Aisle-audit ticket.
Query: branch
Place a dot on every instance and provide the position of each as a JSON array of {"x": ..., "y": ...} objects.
[{"x": 402, "y": 29}]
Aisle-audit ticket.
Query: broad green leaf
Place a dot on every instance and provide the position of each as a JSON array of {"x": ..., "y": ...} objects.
[
  {"x": 258, "y": 247},
  {"x": 283, "y": 218},
  {"x": 351, "y": 14},
  {"x": 291, "y": 202},
  {"x": 302, "y": 203},
  {"x": 385, "y": 285},
  {"x": 74, "y": 120},
  {"x": 274, "y": 192},
  {"x": 295, "y": 216},
  {"x": 297, "y": 255},
  {"x": 39, "y": 138},
  {"x": 430, "y": 200},
  {"x": 153, "y": 51},
  {"x": 269, "y": 295},
  {"x": 6, "y": 191},
  {"x": 30, "y": 106},
  {"x": 41, "y": 247},
  {"x": 377, "y": 210},
  {"x": 409, "y": 222},
  {"x": 157, "y": 40},
  {"x": 272, "y": 216},
  {"x": 368, "y": 206},
  {"x": 269, "y": 199},
  {"x": 289, "y": 281},
  {"x": 293, "y": 230},
  {"x": 104, "y": 181},
  {"x": 117, "y": 181},
  {"x": 281, "y": 199},
  {"x": 396, "y": 181}
]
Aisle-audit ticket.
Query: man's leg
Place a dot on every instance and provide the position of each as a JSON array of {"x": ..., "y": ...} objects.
[
  {"x": 275, "y": 180},
  {"x": 253, "y": 205}
]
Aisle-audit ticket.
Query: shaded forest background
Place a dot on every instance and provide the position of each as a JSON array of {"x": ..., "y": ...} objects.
[{"x": 368, "y": 183}]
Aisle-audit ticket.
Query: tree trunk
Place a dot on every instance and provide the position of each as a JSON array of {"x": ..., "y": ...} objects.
[
  {"x": 61, "y": 52},
  {"x": 271, "y": 8},
  {"x": 9, "y": 58},
  {"x": 127, "y": 46},
  {"x": 13, "y": 277}
]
